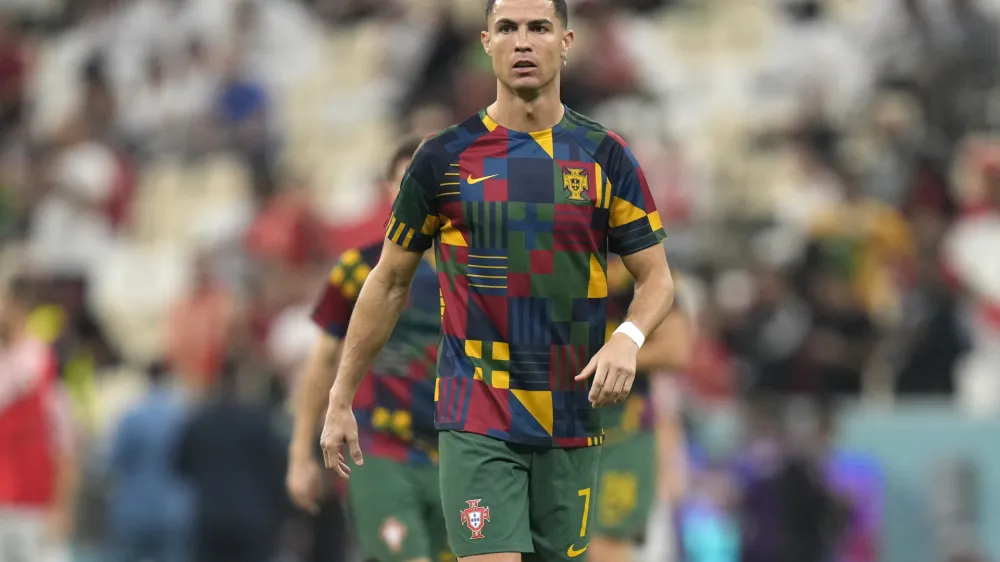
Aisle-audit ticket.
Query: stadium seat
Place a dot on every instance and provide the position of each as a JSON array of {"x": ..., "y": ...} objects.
[{"x": 133, "y": 291}]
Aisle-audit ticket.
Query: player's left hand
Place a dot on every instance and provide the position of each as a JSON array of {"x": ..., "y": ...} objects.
[{"x": 613, "y": 369}]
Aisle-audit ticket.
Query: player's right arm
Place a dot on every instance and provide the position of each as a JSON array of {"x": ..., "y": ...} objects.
[
  {"x": 303, "y": 478},
  {"x": 410, "y": 232}
]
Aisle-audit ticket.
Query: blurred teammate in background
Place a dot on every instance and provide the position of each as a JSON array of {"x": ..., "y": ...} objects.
[
  {"x": 525, "y": 200},
  {"x": 38, "y": 468},
  {"x": 627, "y": 488},
  {"x": 394, "y": 500}
]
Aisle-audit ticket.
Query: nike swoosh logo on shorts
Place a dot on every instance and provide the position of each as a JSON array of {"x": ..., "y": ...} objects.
[{"x": 573, "y": 553}]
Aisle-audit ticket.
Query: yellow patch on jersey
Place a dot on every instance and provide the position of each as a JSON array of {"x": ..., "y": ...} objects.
[{"x": 539, "y": 405}]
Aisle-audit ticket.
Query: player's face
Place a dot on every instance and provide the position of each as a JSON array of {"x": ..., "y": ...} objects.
[{"x": 527, "y": 43}]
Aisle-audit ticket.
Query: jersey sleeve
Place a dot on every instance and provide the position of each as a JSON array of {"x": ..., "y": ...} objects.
[
  {"x": 333, "y": 311},
  {"x": 414, "y": 220},
  {"x": 633, "y": 224}
]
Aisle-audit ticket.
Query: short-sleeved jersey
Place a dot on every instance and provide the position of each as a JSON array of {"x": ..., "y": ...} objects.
[
  {"x": 394, "y": 405},
  {"x": 523, "y": 223}
]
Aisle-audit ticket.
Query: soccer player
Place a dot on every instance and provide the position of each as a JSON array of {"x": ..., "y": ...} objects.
[
  {"x": 524, "y": 201},
  {"x": 394, "y": 500},
  {"x": 626, "y": 489}
]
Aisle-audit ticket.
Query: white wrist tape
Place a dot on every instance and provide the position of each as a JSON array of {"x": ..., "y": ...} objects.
[{"x": 634, "y": 334}]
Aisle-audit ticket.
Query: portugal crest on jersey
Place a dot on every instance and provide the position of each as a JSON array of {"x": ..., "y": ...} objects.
[
  {"x": 575, "y": 182},
  {"x": 475, "y": 518}
]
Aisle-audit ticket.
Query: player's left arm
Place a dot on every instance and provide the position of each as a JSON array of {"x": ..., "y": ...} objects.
[
  {"x": 635, "y": 233},
  {"x": 654, "y": 291},
  {"x": 669, "y": 347}
]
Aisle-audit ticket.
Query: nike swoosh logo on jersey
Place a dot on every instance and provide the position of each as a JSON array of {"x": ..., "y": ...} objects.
[
  {"x": 573, "y": 553},
  {"x": 474, "y": 181}
]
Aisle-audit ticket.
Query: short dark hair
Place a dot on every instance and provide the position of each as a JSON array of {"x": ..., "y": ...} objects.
[
  {"x": 562, "y": 10},
  {"x": 404, "y": 152}
]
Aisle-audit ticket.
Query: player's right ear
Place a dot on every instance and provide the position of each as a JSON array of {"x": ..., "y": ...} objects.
[{"x": 485, "y": 38}]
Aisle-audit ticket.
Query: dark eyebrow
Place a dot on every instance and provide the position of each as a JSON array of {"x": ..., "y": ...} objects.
[{"x": 508, "y": 21}]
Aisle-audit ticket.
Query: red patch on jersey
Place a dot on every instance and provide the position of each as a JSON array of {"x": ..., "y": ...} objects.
[
  {"x": 542, "y": 262},
  {"x": 518, "y": 284},
  {"x": 495, "y": 190},
  {"x": 488, "y": 408}
]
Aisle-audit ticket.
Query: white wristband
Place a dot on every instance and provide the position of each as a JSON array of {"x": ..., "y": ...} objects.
[{"x": 634, "y": 334}]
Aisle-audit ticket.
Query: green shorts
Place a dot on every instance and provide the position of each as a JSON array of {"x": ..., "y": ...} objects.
[
  {"x": 396, "y": 511},
  {"x": 626, "y": 487},
  {"x": 504, "y": 497}
]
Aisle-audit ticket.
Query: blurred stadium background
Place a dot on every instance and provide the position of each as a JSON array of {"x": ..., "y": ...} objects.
[{"x": 176, "y": 176}]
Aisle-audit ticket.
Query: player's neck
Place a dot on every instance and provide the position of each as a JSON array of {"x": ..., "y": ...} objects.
[{"x": 518, "y": 113}]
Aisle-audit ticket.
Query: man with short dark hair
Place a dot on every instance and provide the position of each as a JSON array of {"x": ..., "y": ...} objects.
[{"x": 524, "y": 201}]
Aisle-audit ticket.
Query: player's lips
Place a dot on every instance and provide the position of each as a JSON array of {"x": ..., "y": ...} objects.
[{"x": 524, "y": 66}]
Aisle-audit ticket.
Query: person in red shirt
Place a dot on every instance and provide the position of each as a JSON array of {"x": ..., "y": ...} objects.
[{"x": 37, "y": 468}]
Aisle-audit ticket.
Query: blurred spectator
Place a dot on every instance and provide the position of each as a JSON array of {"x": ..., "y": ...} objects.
[
  {"x": 811, "y": 52},
  {"x": 972, "y": 66},
  {"x": 971, "y": 263},
  {"x": 909, "y": 156},
  {"x": 867, "y": 241},
  {"x": 841, "y": 340},
  {"x": 287, "y": 231},
  {"x": 97, "y": 113},
  {"x": 13, "y": 78},
  {"x": 788, "y": 511},
  {"x": 906, "y": 44},
  {"x": 39, "y": 471},
  {"x": 812, "y": 189},
  {"x": 71, "y": 231},
  {"x": 234, "y": 460},
  {"x": 435, "y": 83},
  {"x": 243, "y": 111},
  {"x": 599, "y": 65},
  {"x": 199, "y": 327},
  {"x": 63, "y": 319},
  {"x": 150, "y": 508},
  {"x": 931, "y": 339},
  {"x": 194, "y": 84},
  {"x": 712, "y": 375},
  {"x": 769, "y": 339}
]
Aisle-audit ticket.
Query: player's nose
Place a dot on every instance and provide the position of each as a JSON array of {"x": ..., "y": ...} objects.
[{"x": 522, "y": 44}]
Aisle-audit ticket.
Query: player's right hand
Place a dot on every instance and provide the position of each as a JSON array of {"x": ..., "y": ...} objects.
[
  {"x": 303, "y": 482},
  {"x": 340, "y": 428}
]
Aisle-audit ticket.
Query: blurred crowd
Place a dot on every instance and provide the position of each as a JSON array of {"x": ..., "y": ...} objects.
[{"x": 177, "y": 176}]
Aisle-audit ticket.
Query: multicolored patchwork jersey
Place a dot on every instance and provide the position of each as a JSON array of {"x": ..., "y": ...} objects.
[
  {"x": 394, "y": 405},
  {"x": 523, "y": 224}
]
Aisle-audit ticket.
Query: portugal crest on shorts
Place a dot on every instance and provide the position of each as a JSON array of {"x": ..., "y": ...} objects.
[
  {"x": 475, "y": 518},
  {"x": 393, "y": 533},
  {"x": 575, "y": 182}
]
